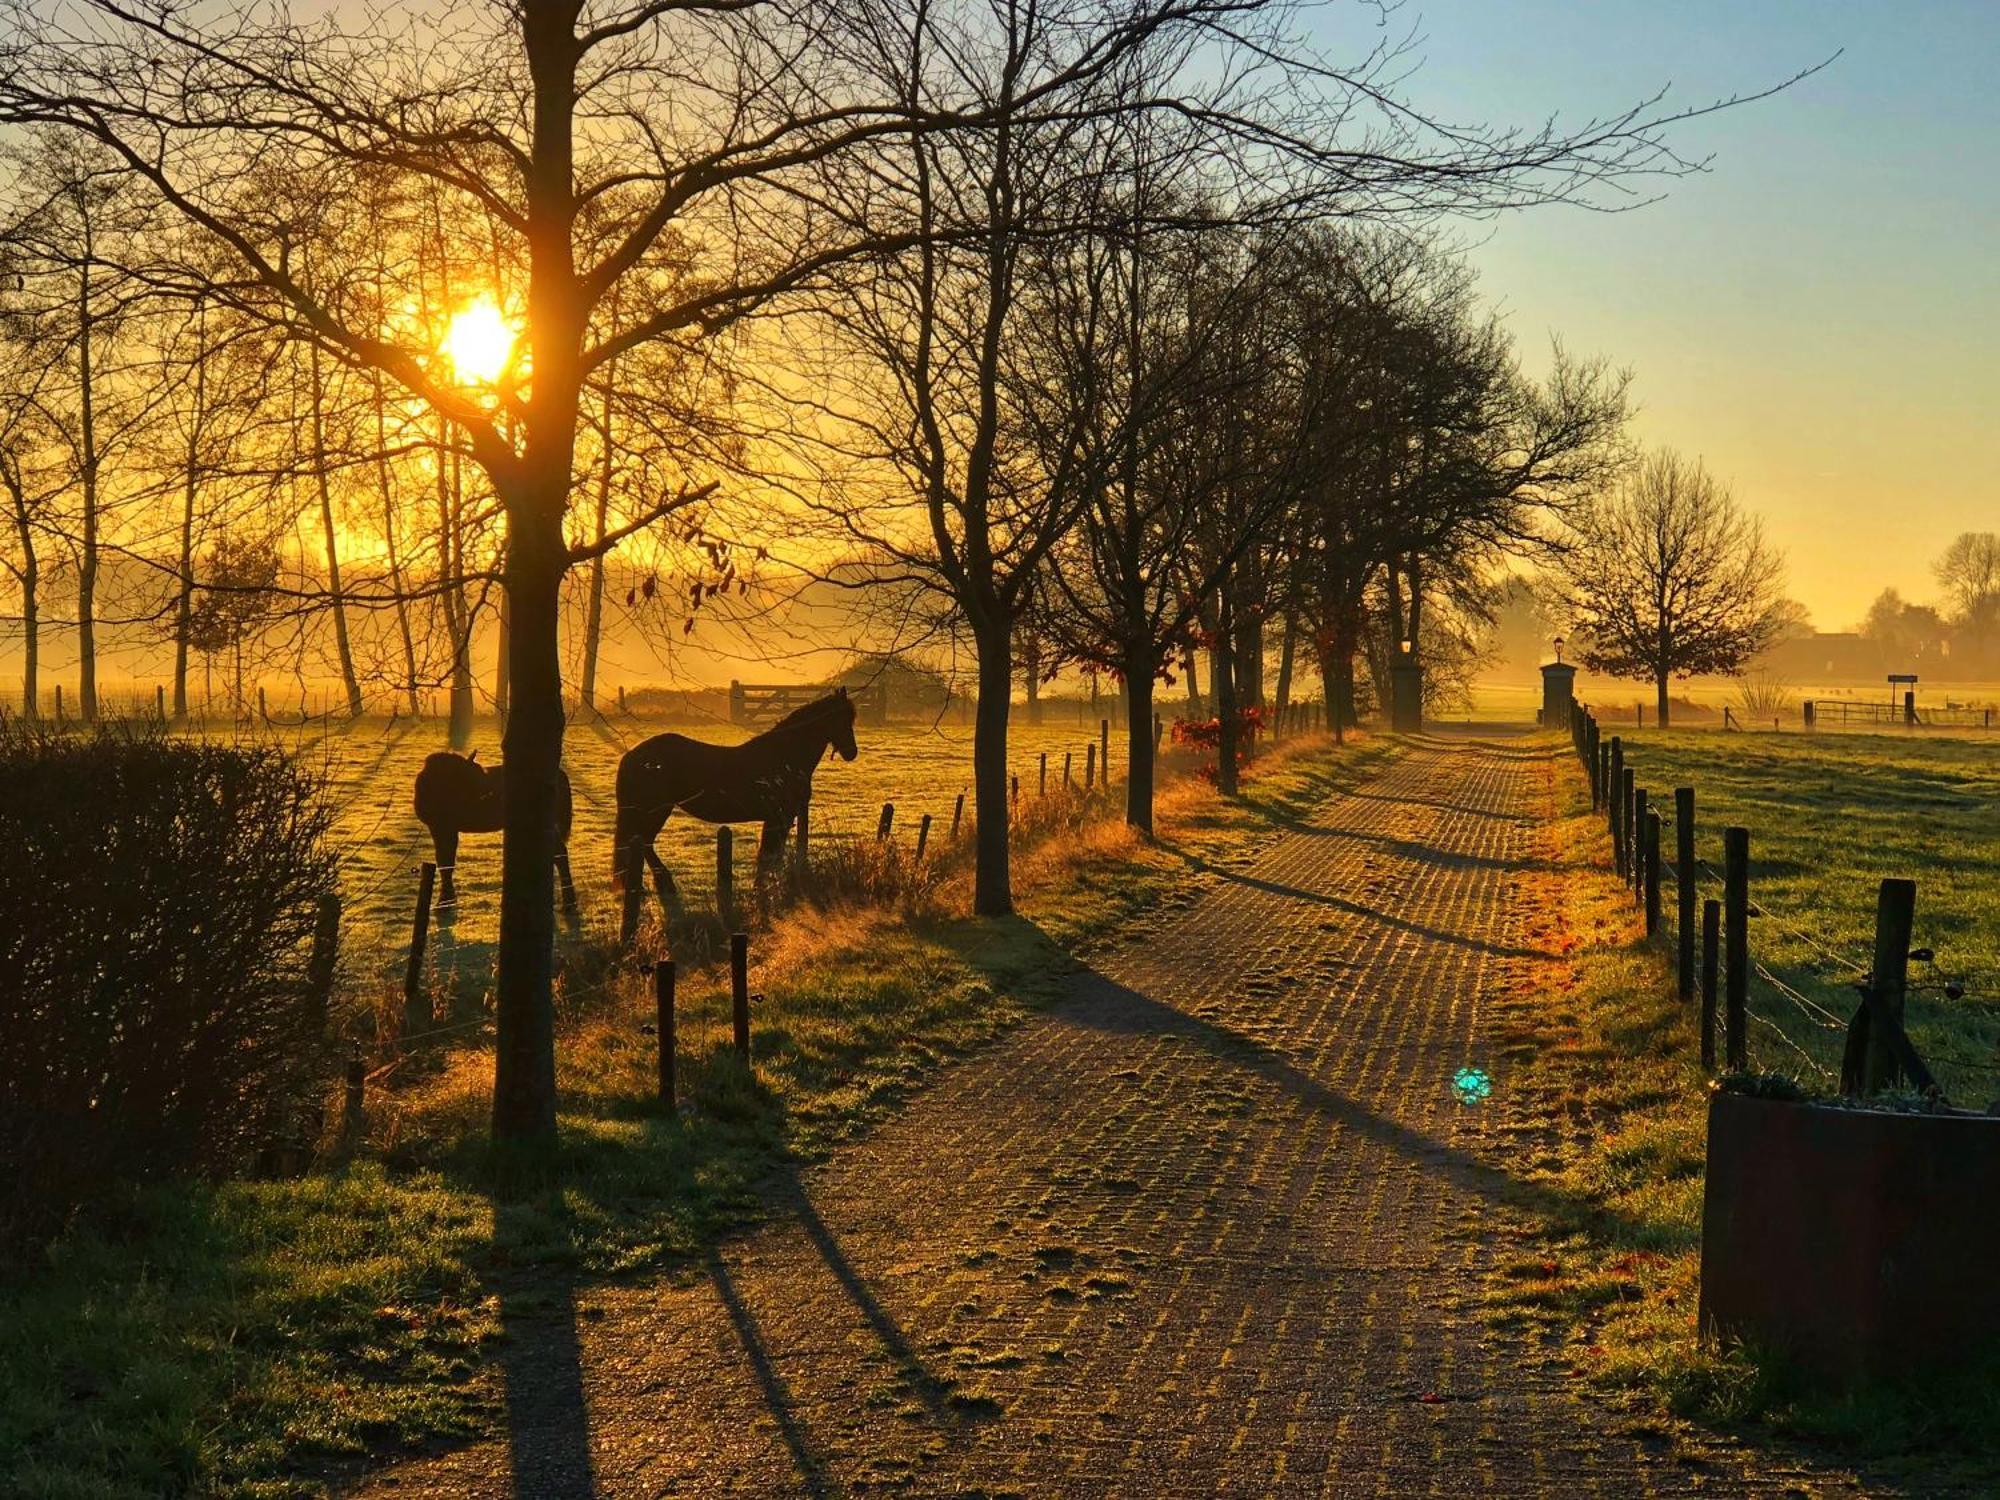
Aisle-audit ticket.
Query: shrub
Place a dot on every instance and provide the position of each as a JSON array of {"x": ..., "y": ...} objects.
[{"x": 157, "y": 906}]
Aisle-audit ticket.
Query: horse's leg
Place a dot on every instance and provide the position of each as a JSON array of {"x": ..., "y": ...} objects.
[
  {"x": 771, "y": 847},
  {"x": 663, "y": 878},
  {"x": 444, "y": 843}
]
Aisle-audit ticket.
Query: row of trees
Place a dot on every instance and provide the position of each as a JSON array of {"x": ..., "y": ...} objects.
[
  {"x": 1962, "y": 630},
  {"x": 1020, "y": 299},
  {"x": 181, "y": 471}
]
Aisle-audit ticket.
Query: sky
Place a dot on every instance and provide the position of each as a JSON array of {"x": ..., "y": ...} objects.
[{"x": 1817, "y": 315}]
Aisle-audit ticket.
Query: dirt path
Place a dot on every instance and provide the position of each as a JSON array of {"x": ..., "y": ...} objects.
[{"x": 1213, "y": 1226}]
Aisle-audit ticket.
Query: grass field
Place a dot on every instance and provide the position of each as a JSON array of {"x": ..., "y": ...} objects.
[
  {"x": 1609, "y": 1100},
  {"x": 258, "y": 1339},
  {"x": 370, "y": 767},
  {"x": 1829, "y": 817}
]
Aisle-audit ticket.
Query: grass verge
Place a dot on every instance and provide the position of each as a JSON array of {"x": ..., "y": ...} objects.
[
  {"x": 1608, "y": 1113},
  {"x": 254, "y": 1339}
]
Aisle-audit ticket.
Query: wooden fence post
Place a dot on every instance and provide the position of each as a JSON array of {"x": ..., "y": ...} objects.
[
  {"x": 1711, "y": 936},
  {"x": 160, "y": 701},
  {"x": 923, "y": 835},
  {"x": 1017, "y": 789},
  {"x": 324, "y": 959},
  {"x": 887, "y": 821},
  {"x": 263, "y": 713},
  {"x": 1684, "y": 889},
  {"x": 957, "y": 814},
  {"x": 416, "y": 999},
  {"x": 1104, "y": 752},
  {"x": 1614, "y": 790},
  {"x": 566, "y": 888},
  {"x": 739, "y": 991},
  {"x": 1042, "y": 789},
  {"x": 1736, "y": 942},
  {"x": 352, "y": 1118},
  {"x": 1623, "y": 817},
  {"x": 1090, "y": 765},
  {"x": 1652, "y": 873},
  {"x": 621, "y": 698},
  {"x": 1637, "y": 877},
  {"x": 1895, "y": 915},
  {"x": 725, "y": 870},
  {"x": 1809, "y": 713},
  {"x": 59, "y": 706},
  {"x": 663, "y": 1025},
  {"x": 1068, "y": 755}
]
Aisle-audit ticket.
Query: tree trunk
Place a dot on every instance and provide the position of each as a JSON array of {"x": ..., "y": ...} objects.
[
  {"x": 593, "y": 615},
  {"x": 1031, "y": 674},
  {"x": 1287, "y": 649},
  {"x": 1248, "y": 653},
  {"x": 502, "y": 659},
  {"x": 524, "y": 1066},
  {"x": 992, "y": 888},
  {"x": 1193, "y": 686},
  {"x": 1337, "y": 670},
  {"x": 386, "y": 493},
  {"x": 1140, "y": 671},
  {"x": 1660, "y": 684},
  {"x": 524, "y": 1063},
  {"x": 184, "y": 601},
  {"x": 86, "y": 571},
  {"x": 457, "y": 614},
  {"x": 342, "y": 646},
  {"x": 28, "y": 575},
  {"x": 1224, "y": 672},
  {"x": 1416, "y": 580}
]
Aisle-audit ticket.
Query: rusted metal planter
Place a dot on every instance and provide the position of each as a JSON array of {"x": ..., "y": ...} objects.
[{"x": 1858, "y": 1242}]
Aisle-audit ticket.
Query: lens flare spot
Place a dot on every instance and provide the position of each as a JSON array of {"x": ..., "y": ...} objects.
[{"x": 1471, "y": 1086}]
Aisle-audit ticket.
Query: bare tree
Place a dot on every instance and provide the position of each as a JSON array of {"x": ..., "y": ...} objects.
[
  {"x": 1666, "y": 577},
  {"x": 1969, "y": 572}
]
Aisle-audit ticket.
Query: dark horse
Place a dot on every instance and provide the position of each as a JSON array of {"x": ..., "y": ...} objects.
[
  {"x": 765, "y": 780},
  {"x": 455, "y": 794}
]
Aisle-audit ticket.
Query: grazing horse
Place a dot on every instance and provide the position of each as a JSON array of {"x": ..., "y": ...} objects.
[
  {"x": 455, "y": 794},
  {"x": 765, "y": 780}
]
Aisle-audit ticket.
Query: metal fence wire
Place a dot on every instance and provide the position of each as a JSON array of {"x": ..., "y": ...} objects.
[{"x": 1799, "y": 1017}]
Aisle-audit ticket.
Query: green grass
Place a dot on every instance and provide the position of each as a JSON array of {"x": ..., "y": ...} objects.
[
  {"x": 252, "y": 1339},
  {"x": 1606, "y": 1115},
  {"x": 1830, "y": 816}
]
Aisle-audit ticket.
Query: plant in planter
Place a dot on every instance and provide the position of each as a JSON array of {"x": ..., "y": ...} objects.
[{"x": 1851, "y": 1234}]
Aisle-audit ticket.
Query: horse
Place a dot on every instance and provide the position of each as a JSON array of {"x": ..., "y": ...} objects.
[
  {"x": 767, "y": 779},
  {"x": 455, "y": 794}
]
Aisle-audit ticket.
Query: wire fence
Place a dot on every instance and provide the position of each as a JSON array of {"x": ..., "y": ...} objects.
[
  {"x": 1042, "y": 794},
  {"x": 1820, "y": 1015}
]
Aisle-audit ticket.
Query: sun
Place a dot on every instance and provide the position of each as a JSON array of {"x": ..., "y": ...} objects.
[{"x": 479, "y": 343}]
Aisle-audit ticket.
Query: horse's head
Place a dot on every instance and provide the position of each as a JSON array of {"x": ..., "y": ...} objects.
[{"x": 840, "y": 729}]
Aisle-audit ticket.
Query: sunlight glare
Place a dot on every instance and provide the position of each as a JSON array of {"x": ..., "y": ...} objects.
[{"x": 479, "y": 343}]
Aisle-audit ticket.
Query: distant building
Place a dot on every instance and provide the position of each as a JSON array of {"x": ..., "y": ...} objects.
[{"x": 1825, "y": 656}]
